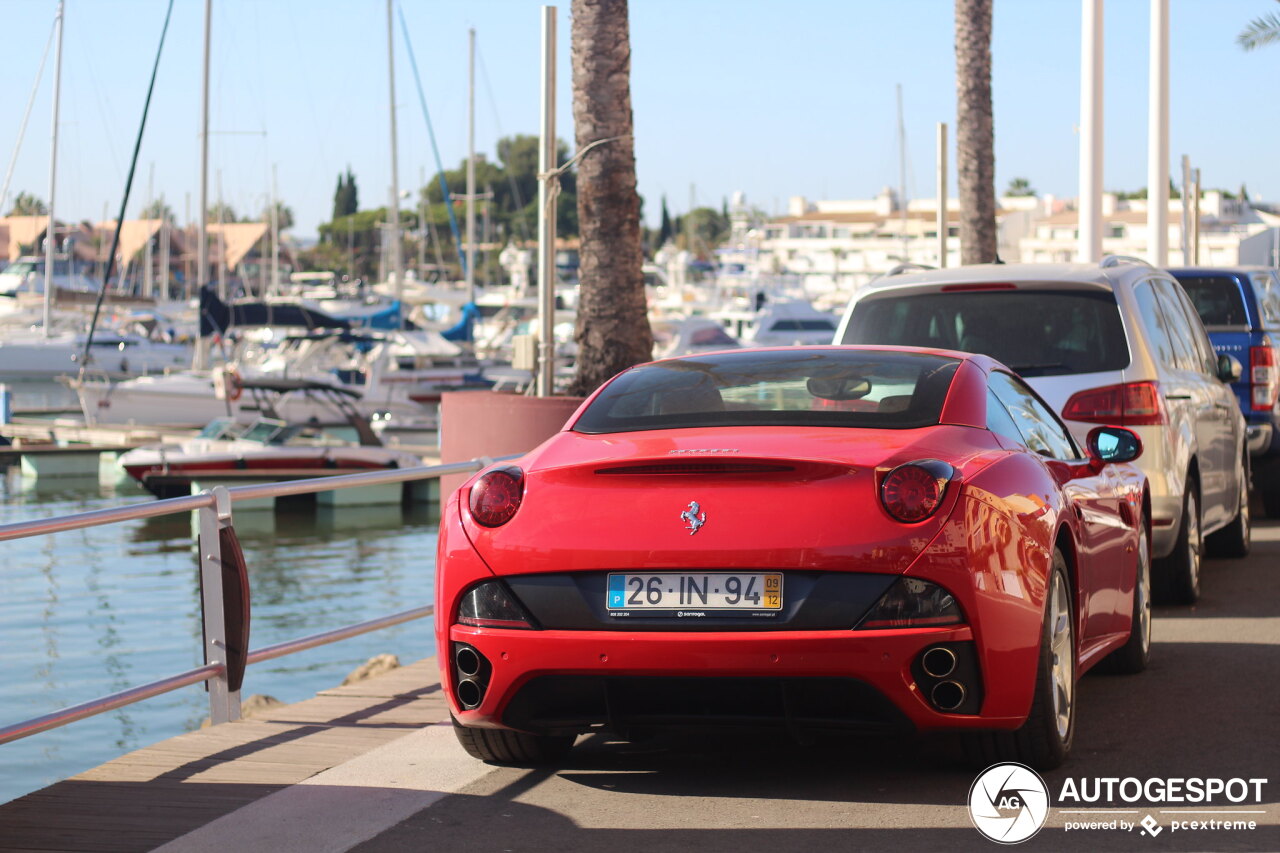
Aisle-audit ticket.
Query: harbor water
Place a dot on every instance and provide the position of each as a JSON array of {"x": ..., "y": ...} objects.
[{"x": 90, "y": 612}]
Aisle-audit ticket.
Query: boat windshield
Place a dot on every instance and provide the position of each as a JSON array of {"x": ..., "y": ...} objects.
[
  {"x": 783, "y": 387},
  {"x": 265, "y": 431},
  {"x": 220, "y": 428}
]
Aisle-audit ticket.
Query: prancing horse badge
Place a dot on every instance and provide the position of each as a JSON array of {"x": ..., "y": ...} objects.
[{"x": 694, "y": 517}]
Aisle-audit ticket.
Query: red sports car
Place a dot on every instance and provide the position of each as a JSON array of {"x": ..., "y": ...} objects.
[{"x": 867, "y": 539}]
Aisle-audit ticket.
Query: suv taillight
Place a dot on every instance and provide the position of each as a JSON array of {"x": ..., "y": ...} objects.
[
  {"x": 1130, "y": 404},
  {"x": 1264, "y": 377}
]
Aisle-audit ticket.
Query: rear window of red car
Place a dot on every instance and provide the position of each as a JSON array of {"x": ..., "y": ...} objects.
[{"x": 798, "y": 387}]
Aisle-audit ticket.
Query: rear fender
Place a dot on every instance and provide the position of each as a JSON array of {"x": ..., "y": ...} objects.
[
  {"x": 457, "y": 561},
  {"x": 994, "y": 554}
]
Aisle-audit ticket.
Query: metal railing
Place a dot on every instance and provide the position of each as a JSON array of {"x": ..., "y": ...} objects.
[{"x": 223, "y": 662}]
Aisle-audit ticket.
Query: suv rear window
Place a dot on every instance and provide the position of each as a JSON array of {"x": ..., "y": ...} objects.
[
  {"x": 797, "y": 387},
  {"x": 1034, "y": 332},
  {"x": 1217, "y": 299}
]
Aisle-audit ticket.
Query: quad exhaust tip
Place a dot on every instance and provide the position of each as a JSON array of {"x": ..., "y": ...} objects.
[
  {"x": 467, "y": 660},
  {"x": 939, "y": 662},
  {"x": 947, "y": 695},
  {"x": 470, "y": 693}
]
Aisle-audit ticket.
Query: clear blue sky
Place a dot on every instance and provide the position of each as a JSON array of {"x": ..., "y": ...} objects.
[{"x": 775, "y": 99}]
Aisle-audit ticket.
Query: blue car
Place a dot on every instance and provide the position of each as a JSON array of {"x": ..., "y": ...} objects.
[{"x": 1240, "y": 308}]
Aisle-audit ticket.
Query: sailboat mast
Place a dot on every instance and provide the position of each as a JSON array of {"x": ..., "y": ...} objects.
[
  {"x": 397, "y": 259},
  {"x": 50, "y": 235},
  {"x": 202, "y": 240},
  {"x": 471, "y": 165},
  {"x": 275, "y": 233}
]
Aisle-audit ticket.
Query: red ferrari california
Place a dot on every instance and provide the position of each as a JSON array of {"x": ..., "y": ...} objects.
[{"x": 867, "y": 539}]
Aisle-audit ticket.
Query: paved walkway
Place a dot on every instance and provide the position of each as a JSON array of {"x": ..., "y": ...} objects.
[{"x": 320, "y": 775}]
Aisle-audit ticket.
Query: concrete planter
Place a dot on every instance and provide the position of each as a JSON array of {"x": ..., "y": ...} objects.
[{"x": 481, "y": 423}]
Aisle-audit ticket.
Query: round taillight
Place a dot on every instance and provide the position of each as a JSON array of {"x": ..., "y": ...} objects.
[
  {"x": 912, "y": 492},
  {"x": 496, "y": 496}
]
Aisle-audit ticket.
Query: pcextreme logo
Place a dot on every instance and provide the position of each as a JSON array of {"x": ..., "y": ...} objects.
[{"x": 1008, "y": 803}]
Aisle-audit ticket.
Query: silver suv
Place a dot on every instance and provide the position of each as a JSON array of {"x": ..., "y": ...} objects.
[{"x": 1116, "y": 343}]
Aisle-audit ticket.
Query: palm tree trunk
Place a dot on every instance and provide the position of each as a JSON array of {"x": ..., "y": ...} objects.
[
  {"x": 613, "y": 326},
  {"x": 975, "y": 138}
]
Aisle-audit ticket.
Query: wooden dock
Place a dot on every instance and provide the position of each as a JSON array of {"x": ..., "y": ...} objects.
[{"x": 159, "y": 793}]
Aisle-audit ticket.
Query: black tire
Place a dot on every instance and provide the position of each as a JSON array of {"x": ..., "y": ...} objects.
[
  {"x": 1044, "y": 740},
  {"x": 503, "y": 746},
  {"x": 1271, "y": 503},
  {"x": 1176, "y": 579},
  {"x": 1134, "y": 655},
  {"x": 1236, "y": 539}
]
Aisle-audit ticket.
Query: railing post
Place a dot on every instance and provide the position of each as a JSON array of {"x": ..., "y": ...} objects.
[{"x": 224, "y": 704}]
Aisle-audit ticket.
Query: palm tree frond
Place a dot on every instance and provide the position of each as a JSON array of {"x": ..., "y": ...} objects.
[{"x": 1261, "y": 31}]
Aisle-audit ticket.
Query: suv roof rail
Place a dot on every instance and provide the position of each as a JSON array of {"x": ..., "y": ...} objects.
[
  {"x": 907, "y": 267},
  {"x": 1116, "y": 260}
]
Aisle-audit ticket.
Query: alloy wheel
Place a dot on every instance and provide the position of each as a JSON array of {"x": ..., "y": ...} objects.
[
  {"x": 1246, "y": 520},
  {"x": 1194, "y": 546},
  {"x": 1143, "y": 591},
  {"x": 1062, "y": 648}
]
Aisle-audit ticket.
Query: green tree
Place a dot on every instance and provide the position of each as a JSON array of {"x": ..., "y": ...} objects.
[
  {"x": 612, "y": 329},
  {"x": 346, "y": 198},
  {"x": 1019, "y": 188},
  {"x": 27, "y": 204},
  {"x": 227, "y": 213},
  {"x": 664, "y": 230},
  {"x": 358, "y": 239},
  {"x": 1141, "y": 194},
  {"x": 514, "y": 182},
  {"x": 1260, "y": 31},
  {"x": 975, "y": 136},
  {"x": 284, "y": 216},
  {"x": 158, "y": 210},
  {"x": 706, "y": 228}
]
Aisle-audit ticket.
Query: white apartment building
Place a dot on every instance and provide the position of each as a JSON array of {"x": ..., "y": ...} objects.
[
  {"x": 839, "y": 245},
  {"x": 842, "y": 244},
  {"x": 1232, "y": 232}
]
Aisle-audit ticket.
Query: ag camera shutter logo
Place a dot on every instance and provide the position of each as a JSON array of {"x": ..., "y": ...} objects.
[{"x": 1008, "y": 803}]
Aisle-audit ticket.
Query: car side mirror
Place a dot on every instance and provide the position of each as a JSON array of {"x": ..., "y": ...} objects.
[
  {"x": 1229, "y": 369},
  {"x": 1106, "y": 444}
]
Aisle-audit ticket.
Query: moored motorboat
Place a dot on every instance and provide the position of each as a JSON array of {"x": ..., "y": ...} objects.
[{"x": 267, "y": 449}]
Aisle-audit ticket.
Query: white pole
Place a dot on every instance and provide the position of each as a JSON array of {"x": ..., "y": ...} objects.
[
  {"x": 422, "y": 223},
  {"x": 547, "y": 210},
  {"x": 202, "y": 240},
  {"x": 1186, "y": 210},
  {"x": 942, "y": 195},
  {"x": 148, "y": 274},
  {"x": 1158, "y": 137},
  {"x": 1195, "y": 217},
  {"x": 275, "y": 234},
  {"x": 222, "y": 244},
  {"x": 50, "y": 234},
  {"x": 471, "y": 165},
  {"x": 902, "y": 176},
  {"x": 1090, "y": 244},
  {"x": 164, "y": 251},
  {"x": 397, "y": 260}
]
